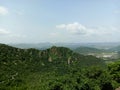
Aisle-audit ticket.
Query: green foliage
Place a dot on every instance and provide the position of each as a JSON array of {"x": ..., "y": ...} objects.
[
  {"x": 114, "y": 69},
  {"x": 86, "y": 50},
  {"x": 57, "y": 68}
]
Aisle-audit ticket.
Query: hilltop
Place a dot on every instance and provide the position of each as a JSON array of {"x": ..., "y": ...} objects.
[
  {"x": 50, "y": 69},
  {"x": 87, "y": 50},
  {"x": 54, "y": 53}
]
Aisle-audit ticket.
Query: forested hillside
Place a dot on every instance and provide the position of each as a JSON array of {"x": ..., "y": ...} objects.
[
  {"x": 86, "y": 50},
  {"x": 56, "y": 68}
]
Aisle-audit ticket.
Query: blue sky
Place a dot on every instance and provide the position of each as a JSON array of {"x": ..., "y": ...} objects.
[{"x": 34, "y": 21}]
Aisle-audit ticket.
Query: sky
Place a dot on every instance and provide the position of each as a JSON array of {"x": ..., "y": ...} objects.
[{"x": 66, "y": 21}]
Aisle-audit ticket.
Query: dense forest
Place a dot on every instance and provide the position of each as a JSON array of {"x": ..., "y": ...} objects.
[{"x": 56, "y": 68}]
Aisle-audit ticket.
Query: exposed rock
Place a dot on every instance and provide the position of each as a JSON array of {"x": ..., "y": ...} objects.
[
  {"x": 50, "y": 59},
  {"x": 69, "y": 60}
]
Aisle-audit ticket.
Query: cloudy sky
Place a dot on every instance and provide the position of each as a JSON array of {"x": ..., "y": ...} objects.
[{"x": 34, "y": 21}]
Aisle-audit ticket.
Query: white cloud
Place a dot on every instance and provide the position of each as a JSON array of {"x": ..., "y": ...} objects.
[
  {"x": 10, "y": 37},
  {"x": 74, "y": 28},
  {"x": 79, "y": 29},
  {"x": 3, "y": 10},
  {"x": 61, "y": 26},
  {"x": 8, "y": 34},
  {"x": 17, "y": 35},
  {"x": 54, "y": 34},
  {"x": 4, "y": 32}
]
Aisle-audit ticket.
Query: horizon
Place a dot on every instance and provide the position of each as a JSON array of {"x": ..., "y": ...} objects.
[
  {"x": 63, "y": 21},
  {"x": 62, "y": 43}
]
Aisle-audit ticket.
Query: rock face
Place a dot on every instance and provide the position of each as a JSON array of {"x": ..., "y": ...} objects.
[
  {"x": 50, "y": 59},
  {"x": 69, "y": 60}
]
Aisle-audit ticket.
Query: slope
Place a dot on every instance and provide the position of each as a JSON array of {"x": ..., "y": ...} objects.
[{"x": 18, "y": 66}]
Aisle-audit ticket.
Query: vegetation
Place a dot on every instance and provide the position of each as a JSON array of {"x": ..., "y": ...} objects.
[
  {"x": 57, "y": 68},
  {"x": 86, "y": 50}
]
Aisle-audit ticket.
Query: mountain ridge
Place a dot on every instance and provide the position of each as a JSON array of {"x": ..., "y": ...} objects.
[
  {"x": 53, "y": 52},
  {"x": 50, "y": 69}
]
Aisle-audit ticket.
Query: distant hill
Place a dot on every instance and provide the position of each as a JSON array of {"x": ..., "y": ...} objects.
[
  {"x": 40, "y": 46},
  {"x": 43, "y": 46},
  {"x": 86, "y": 50}
]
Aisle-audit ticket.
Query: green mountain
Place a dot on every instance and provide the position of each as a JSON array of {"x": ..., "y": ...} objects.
[
  {"x": 45, "y": 60},
  {"x": 56, "y": 68},
  {"x": 51, "y": 55},
  {"x": 87, "y": 50}
]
